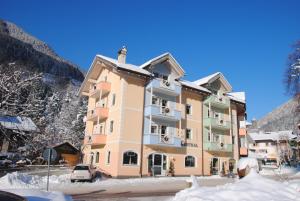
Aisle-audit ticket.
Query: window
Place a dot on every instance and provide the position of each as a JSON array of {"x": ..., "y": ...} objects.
[
  {"x": 188, "y": 133},
  {"x": 97, "y": 157},
  {"x": 108, "y": 158},
  {"x": 188, "y": 109},
  {"x": 208, "y": 136},
  {"x": 154, "y": 100},
  {"x": 165, "y": 77},
  {"x": 101, "y": 128},
  {"x": 113, "y": 102},
  {"x": 111, "y": 126},
  {"x": 216, "y": 115},
  {"x": 154, "y": 129},
  {"x": 189, "y": 161},
  {"x": 130, "y": 158}
]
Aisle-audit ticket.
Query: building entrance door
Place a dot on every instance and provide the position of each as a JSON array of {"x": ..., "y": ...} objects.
[
  {"x": 157, "y": 164},
  {"x": 215, "y": 166}
]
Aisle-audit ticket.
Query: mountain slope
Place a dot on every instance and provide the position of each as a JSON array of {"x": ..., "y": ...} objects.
[
  {"x": 51, "y": 100},
  {"x": 285, "y": 117}
]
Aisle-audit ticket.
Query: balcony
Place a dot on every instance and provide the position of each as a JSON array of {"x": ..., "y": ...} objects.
[
  {"x": 165, "y": 87},
  {"x": 222, "y": 102},
  {"x": 158, "y": 112},
  {"x": 243, "y": 151},
  {"x": 217, "y": 123},
  {"x": 242, "y": 131},
  {"x": 99, "y": 113},
  {"x": 217, "y": 147},
  {"x": 98, "y": 139},
  {"x": 100, "y": 89},
  {"x": 167, "y": 140}
]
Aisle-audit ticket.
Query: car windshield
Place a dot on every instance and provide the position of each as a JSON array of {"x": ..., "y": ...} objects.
[
  {"x": 3, "y": 157},
  {"x": 81, "y": 168}
]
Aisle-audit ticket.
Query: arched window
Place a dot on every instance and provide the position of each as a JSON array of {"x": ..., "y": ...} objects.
[
  {"x": 130, "y": 158},
  {"x": 97, "y": 157},
  {"x": 189, "y": 161}
]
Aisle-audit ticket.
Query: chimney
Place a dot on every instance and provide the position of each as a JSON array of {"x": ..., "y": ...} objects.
[{"x": 122, "y": 55}]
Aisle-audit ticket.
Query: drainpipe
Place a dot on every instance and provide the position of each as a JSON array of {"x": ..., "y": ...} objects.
[
  {"x": 142, "y": 141},
  {"x": 202, "y": 150}
]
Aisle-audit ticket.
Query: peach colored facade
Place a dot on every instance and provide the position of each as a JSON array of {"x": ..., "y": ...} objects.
[{"x": 147, "y": 121}]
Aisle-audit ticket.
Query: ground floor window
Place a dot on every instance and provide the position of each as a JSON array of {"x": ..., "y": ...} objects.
[
  {"x": 130, "y": 158},
  {"x": 189, "y": 161},
  {"x": 97, "y": 157},
  {"x": 108, "y": 158}
]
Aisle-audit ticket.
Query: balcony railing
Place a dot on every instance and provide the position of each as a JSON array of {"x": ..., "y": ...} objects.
[
  {"x": 222, "y": 102},
  {"x": 163, "y": 113},
  {"x": 242, "y": 131},
  {"x": 97, "y": 113},
  {"x": 217, "y": 123},
  {"x": 243, "y": 151},
  {"x": 166, "y": 140},
  {"x": 101, "y": 87},
  {"x": 99, "y": 139},
  {"x": 217, "y": 147},
  {"x": 166, "y": 87}
]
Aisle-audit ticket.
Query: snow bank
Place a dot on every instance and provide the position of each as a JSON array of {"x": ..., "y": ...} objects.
[
  {"x": 22, "y": 180},
  {"x": 250, "y": 162},
  {"x": 280, "y": 171},
  {"x": 253, "y": 187},
  {"x": 38, "y": 195}
]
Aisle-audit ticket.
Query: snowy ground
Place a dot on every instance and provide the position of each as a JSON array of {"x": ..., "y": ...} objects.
[{"x": 254, "y": 185}]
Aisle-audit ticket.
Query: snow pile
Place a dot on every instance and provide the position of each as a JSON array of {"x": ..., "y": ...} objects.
[
  {"x": 37, "y": 195},
  {"x": 280, "y": 171},
  {"x": 250, "y": 188},
  {"x": 248, "y": 162},
  {"x": 22, "y": 180}
]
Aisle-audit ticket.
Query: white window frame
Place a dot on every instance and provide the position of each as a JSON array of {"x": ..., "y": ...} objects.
[
  {"x": 191, "y": 133},
  {"x": 195, "y": 158},
  {"x": 191, "y": 110},
  {"x": 157, "y": 129},
  {"x": 113, "y": 99},
  {"x": 138, "y": 156},
  {"x": 108, "y": 157},
  {"x": 111, "y": 126}
]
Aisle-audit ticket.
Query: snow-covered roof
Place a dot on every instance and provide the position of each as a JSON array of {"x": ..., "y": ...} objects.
[
  {"x": 213, "y": 77},
  {"x": 237, "y": 96},
  {"x": 125, "y": 66},
  {"x": 18, "y": 123},
  {"x": 166, "y": 55},
  {"x": 273, "y": 136},
  {"x": 193, "y": 85}
]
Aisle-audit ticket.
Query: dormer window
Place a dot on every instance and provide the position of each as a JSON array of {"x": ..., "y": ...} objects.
[{"x": 165, "y": 77}]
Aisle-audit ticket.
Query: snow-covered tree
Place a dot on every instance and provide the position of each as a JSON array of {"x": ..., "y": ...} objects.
[{"x": 292, "y": 75}]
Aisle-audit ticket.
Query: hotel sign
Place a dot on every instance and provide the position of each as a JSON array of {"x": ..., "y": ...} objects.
[{"x": 185, "y": 144}]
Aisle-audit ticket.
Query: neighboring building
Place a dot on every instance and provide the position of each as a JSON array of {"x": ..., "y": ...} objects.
[
  {"x": 67, "y": 152},
  {"x": 147, "y": 120},
  {"x": 271, "y": 148},
  {"x": 15, "y": 129}
]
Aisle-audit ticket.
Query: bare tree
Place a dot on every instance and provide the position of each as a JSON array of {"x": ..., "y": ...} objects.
[{"x": 292, "y": 74}]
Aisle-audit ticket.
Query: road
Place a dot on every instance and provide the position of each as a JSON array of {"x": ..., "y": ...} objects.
[{"x": 146, "y": 192}]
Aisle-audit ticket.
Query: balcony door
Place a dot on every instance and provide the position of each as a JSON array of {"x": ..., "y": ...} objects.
[
  {"x": 215, "y": 164},
  {"x": 164, "y": 135},
  {"x": 157, "y": 164}
]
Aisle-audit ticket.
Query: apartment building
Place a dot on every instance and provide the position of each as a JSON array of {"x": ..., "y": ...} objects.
[
  {"x": 271, "y": 148},
  {"x": 148, "y": 121}
]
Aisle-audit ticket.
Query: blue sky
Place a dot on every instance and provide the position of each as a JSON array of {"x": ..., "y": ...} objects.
[{"x": 248, "y": 41}]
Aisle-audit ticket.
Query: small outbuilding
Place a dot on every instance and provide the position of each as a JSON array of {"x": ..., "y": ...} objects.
[{"x": 68, "y": 153}]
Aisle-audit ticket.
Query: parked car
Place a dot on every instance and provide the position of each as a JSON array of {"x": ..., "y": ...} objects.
[
  {"x": 4, "y": 161},
  {"x": 83, "y": 172}
]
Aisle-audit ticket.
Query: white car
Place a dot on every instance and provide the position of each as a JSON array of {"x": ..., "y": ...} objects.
[{"x": 83, "y": 172}]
